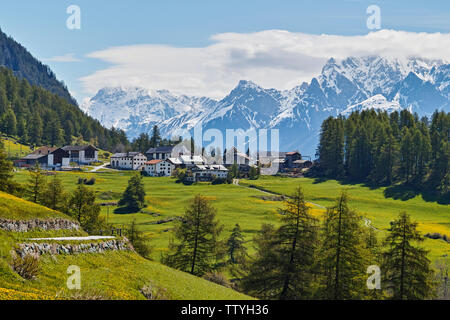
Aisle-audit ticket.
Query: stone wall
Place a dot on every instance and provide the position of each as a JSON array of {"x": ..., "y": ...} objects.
[
  {"x": 38, "y": 249},
  {"x": 28, "y": 225}
]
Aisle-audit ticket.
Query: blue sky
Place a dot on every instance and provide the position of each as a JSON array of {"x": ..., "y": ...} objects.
[{"x": 41, "y": 26}]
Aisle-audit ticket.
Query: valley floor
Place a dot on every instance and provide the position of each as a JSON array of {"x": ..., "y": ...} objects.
[{"x": 251, "y": 207}]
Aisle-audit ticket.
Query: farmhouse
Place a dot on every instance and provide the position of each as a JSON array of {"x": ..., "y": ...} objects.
[
  {"x": 128, "y": 161},
  {"x": 82, "y": 154},
  {"x": 48, "y": 158},
  {"x": 207, "y": 173},
  {"x": 302, "y": 164},
  {"x": 159, "y": 168},
  {"x": 290, "y": 159}
]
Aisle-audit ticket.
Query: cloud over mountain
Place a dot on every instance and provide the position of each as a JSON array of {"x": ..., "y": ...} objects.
[{"x": 273, "y": 58}]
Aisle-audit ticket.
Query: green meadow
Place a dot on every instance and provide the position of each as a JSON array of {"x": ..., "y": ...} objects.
[
  {"x": 167, "y": 200},
  {"x": 374, "y": 204},
  {"x": 111, "y": 275}
]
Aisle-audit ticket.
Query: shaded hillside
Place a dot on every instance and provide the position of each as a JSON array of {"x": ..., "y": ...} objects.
[
  {"x": 16, "y": 57},
  {"x": 40, "y": 117}
]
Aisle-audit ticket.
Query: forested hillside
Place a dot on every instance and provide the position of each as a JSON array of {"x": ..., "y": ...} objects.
[
  {"x": 15, "y": 57},
  {"x": 39, "y": 117},
  {"x": 379, "y": 148}
]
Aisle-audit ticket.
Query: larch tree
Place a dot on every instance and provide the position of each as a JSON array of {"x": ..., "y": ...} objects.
[
  {"x": 198, "y": 248},
  {"x": 406, "y": 268},
  {"x": 236, "y": 249},
  {"x": 82, "y": 206},
  {"x": 36, "y": 184},
  {"x": 343, "y": 253},
  {"x": 6, "y": 172},
  {"x": 54, "y": 194},
  {"x": 285, "y": 267},
  {"x": 134, "y": 195}
]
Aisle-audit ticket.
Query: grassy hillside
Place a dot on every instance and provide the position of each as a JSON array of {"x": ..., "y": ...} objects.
[
  {"x": 110, "y": 275},
  {"x": 14, "y": 149}
]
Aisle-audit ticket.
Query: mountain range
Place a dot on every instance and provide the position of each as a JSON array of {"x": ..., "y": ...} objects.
[{"x": 344, "y": 86}]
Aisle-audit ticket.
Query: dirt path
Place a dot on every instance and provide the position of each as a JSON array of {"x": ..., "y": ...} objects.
[{"x": 99, "y": 167}]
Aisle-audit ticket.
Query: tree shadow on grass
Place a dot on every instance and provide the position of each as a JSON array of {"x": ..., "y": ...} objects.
[
  {"x": 404, "y": 193},
  {"x": 397, "y": 192},
  {"x": 125, "y": 210},
  {"x": 400, "y": 193}
]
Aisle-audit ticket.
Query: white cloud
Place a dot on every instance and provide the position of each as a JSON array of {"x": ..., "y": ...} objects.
[
  {"x": 273, "y": 59},
  {"x": 69, "y": 57}
]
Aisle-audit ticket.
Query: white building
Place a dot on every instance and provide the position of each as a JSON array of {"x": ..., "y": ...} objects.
[
  {"x": 208, "y": 173},
  {"x": 159, "y": 168},
  {"x": 163, "y": 153},
  {"x": 128, "y": 161},
  {"x": 189, "y": 161},
  {"x": 82, "y": 154}
]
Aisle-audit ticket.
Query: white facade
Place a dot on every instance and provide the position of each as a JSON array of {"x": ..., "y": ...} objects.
[
  {"x": 208, "y": 172},
  {"x": 191, "y": 161},
  {"x": 128, "y": 161},
  {"x": 159, "y": 168}
]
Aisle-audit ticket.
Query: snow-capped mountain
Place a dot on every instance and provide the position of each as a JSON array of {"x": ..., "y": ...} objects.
[
  {"x": 355, "y": 83},
  {"x": 136, "y": 110},
  {"x": 378, "y": 102}
]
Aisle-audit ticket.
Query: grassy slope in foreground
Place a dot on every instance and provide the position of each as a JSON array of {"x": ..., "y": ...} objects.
[
  {"x": 372, "y": 203},
  {"x": 112, "y": 275}
]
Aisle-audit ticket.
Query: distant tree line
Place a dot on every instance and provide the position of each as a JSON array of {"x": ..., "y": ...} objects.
[
  {"x": 38, "y": 117},
  {"x": 385, "y": 149},
  {"x": 145, "y": 141}
]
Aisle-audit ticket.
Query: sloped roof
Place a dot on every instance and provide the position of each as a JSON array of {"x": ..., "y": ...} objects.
[
  {"x": 175, "y": 160},
  {"x": 78, "y": 148},
  {"x": 160, "y": 150},
  {"x": 192, "y": 159},
  {"x": 153, "y": 162},
  {"x": 128, "y": 154},
  {"x": 44, "y": 150}
]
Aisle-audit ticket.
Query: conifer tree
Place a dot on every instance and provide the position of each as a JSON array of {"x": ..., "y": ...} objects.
[
  {"x": 36, "y": 184},
  {"x": 258, "y": 280},
  {"x": 406, "y": 267},
  {"x": 342, "y": 253},
  {"x": 407, "y": 145},
  {"x": 156, "y": 137},
  {"x": 82, "y": 206},
  {"x": 134, "y": 196},
  {"x": 298, "y": 240},
  {"x": 9, "y": 122},
  {"x": 198, "y": 247},
  {"x": 236, "y": 249},
  {"x": 54, "y": 194},
  {"x": 6, "y": 170},
  {"x": 137, "y": 240},
  {"x": 284, "y": 267}
]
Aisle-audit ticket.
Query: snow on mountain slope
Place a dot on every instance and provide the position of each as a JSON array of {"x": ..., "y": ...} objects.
[
  {"x": 355, "y": 83},
  {"x": 136, "y": 110},
  {"x": 377, "y": 102}
]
